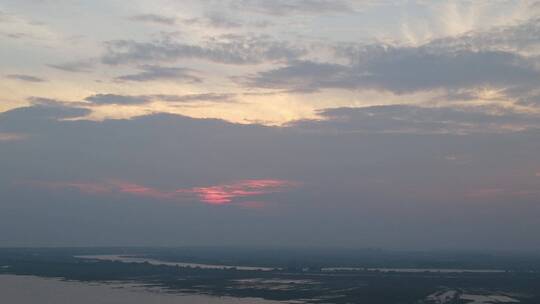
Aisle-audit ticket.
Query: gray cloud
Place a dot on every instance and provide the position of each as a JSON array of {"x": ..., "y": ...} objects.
[
  {"x": 523, "y": 37},
  {"x": 82, "y": 66},
  {"x": 304, "y": 76},
  {"x": 215, "y": 20},
  {"x": 454, "y": 169},
  {"x": 403, "y": 70},
  {"x": 532, "y": 99},
  {"x": 354, "y": 181},
  {"x": 211, "y": 97},
  {"x": 230, "y": 49},
  {"x": 16, "y": 35},
  {"x": 154, "y": 18},
  {"x": 39, "y": 114},
  {"x": 421, "y": 120},
  {"x": 223, "y": 20},
  {"x": 42, "y": 101},
  {"x": 525, "y": 94},
  {"x": 499, "y": 58},
  {"x": 212, "y": 19},
  {"x": 24, "y": 77},
  {"x": 289, "y": 7},
  {"x": 56, "y": 103},
  {"x": 116, "y": 99},
  {"x": 153, "y": 72},
  {"x": 101, "y": 99}
]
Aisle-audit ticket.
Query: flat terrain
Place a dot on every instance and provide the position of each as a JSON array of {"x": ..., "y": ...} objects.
[{"x": 308, "y": 280}]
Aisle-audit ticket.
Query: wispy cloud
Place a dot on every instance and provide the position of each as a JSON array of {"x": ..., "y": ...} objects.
[
  {"x": 207, "y": 97},
  {"x": 81, "y": 66},
  {"x": 11, "y": 137},
  {"x": 214, "y": 20},
  {"x": 220, "y": 194},
  {"x": 101, "y": 99},
  {"x": 403, "y": 70},
  {"x": 281, "y": 7},
  {"x": 421, "y": 120},
  {"x": 24, "y": 77},
  {"x": 154, "y": 18},
  {"x": 16, "y": 26},
  {"x": 227, "y": 193},
  {"x": 229, "y": 49},
  {"x": 153, "y": 72}
]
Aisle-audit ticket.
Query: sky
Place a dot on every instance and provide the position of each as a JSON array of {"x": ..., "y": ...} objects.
[{"x": 399, "y": 124}]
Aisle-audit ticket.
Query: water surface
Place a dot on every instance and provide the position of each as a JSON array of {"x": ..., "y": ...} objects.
[{"x": 31, "y": 290}]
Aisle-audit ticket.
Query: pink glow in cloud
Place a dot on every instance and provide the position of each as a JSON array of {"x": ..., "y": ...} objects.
[
  {"x": 138, "y": 190},
  {"x": 226, "y": 193},
  {"x": 221, "y": 194}
]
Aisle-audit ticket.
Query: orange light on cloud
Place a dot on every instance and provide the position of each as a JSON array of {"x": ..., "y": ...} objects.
[{"x": 221, "y": 194}]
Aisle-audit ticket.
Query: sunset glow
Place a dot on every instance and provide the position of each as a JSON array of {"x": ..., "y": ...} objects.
[
  {"x": 220, "y": 194},
  {"x": 375, "y": 124},
  {"x": 226, "y": 193}
]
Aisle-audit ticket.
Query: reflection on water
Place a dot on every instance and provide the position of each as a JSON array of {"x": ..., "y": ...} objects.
[{"x": 32, "y": 290}]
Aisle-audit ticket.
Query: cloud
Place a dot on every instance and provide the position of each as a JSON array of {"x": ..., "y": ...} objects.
[
  {"x": 50, "y": 103},
  {"x": 27, "y": 78},
  {"x": 154, "y": 18},
  {"x": 42, "y": 111},
  {"x": 82, "y": 66},
  {"x": 395, "y": 119},
  {"x": 355, "y": 174},
  {"x": 4, "y": 137},
  {"x": 17, "y": 26},
  {"x": 214, "y": 20},
  {"x": 406, "y": 165},
  {"x": 291, "y": 7},
  {"x": 523, "y": 38},
  {"x": 221, "y": 194},
  {"x": 102, "y": 99},
  {"x": 529, "y": 99},
  {"x": 117, "y": 99},
  {"x": 421, "y": 120},
  {"x": 153, "y": 73},
  {"x": 229, "y": 49},
  {"x": 403, "y": 70},
  {"x": 212, "y": 97},
  {"x": 500, "y": 59},
  {"x": 304, "y": 76},
  {"x": 226, "y": 193},
  {"x": 83, "y": 187}
]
